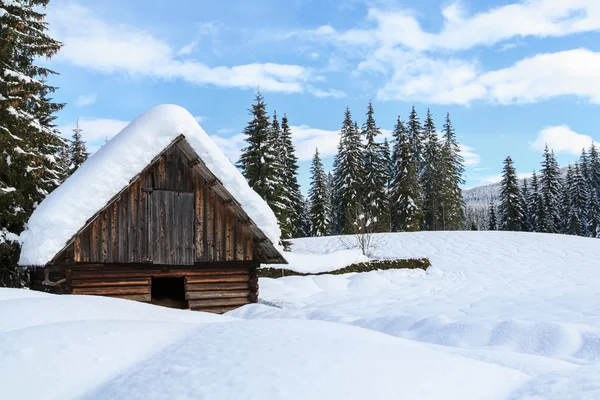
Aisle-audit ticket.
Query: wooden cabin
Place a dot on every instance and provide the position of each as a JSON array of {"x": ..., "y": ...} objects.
[{"x": 175, "y": 236}]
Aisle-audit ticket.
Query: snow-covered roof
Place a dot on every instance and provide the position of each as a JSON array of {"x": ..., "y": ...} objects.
[{"x": 67, "y": 209}]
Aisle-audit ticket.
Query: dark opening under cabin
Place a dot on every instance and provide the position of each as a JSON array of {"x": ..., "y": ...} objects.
[{"x": 174, "y": 236}]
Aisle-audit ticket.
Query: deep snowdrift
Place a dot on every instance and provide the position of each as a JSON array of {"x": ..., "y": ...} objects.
[
  {"x": 110, "y": 169},
  {"x": 521, "y": 300},
  {"x": 63, "y": 347}
]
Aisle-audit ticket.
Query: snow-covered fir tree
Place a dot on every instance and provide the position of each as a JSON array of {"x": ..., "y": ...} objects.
[
  {"x": 453, "y": 206},
  {"x": 305, "y": 228},
  {"x": 526, "y": 225},
  {"x": 492, "y": 219},
  {"x": 375, "y": 202},
  {"x": 77, "y": 149},
  {"x": 291, "y": 195},
  {"x": 318, "y": 194},
  {"x": 416, "y": 138},
  {"x": 536, "y": 204},
  {"x": 550, "y": 183},
  {"x": 259, "y": 161},
  {"x": 432, "y": 178},
  {"x": 348, "y": 177},
  {"x": 569, "y": 223},
  {"x": 579, "y": 197},
  {"x": 404, "y": 198},
  {"x": 29, "y": 141},
  {"x": 510, "y": 212}
]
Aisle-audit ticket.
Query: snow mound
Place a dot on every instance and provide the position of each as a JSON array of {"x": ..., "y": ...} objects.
[
  {"x": 317, "y": 263},
  {"x": 99, "y": 348},
  {"x": 66, "y": 210}
]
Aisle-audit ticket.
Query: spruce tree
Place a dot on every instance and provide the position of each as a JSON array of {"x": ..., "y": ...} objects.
[
  {"x": 259, "y": 161},
  {"x": 432, "y": 179},
  {"x": 319, "y": 203},
  {"x": 551, "y": 190},
  {"x": 29, "y": 142},
  {"x": 492, "y": 219},
  {"x": 292, "y": 197},
  {"x": 526, "y": 222},
  {"x": 579, "y": 197},
  {"x": 375, "y": 204},
  {"x": 405, "y": 200},
  {"x": 511, "y": 213},
  {"x": 77, "y": 149},
  {"x": 349, "y": 177},
  {"x": 305, "y": 228},
  {"x": 569, "y": 223},
  {"x": 452, "y": 163},
  {"x": 536, "y": 204},
  {"x": 416, "y": 139}
]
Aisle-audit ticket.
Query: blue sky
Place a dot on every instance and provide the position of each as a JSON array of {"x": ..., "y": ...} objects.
[{"x": 513, "y": 74}]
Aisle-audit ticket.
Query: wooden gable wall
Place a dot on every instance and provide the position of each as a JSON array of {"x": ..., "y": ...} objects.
[{"x": 168, "y": 216}]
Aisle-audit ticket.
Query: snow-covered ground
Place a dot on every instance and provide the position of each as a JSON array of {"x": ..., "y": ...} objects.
[{"x": 498, "y": 316}]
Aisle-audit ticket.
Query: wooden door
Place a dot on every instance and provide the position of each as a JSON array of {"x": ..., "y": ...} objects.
[{"x": 172, "y": 225}]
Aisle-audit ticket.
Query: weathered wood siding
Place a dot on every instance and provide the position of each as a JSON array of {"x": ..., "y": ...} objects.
[{"x": 168, "y": 216}]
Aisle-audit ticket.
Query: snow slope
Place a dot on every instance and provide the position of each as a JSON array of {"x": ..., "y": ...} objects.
[
  {"x": 520, "y": 300},
  {"x": 110, "y": 170},
  {"x": 500, "y": 315},
  {"x": 102, "y": 348}
]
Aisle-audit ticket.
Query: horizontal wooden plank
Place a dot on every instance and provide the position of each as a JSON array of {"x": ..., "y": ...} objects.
[
  {"x": 113, "y": 290},
  {"x": 198, "y": 287},
  {"x": 136, "y": 297},
  {"x": 106, "y": 282},
  {"x": 217, "y": 279},
  {"x": 218, "y": 302},
  {"x": 220, "y": 294},
  {"x": 216, "y": 310}
]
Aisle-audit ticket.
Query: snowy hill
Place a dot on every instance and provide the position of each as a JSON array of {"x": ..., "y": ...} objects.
[{"x": 499, "y": 316}]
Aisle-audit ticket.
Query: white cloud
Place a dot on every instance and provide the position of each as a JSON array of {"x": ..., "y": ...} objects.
[
  {"x": 562, "y": 139},
  {"x": 231, "y": 145},
  {"x": 535, "y": 18},
  {"x": 543, "y": 76},
  {"x": 187, "y": 49},
  {"x": 336, "y": 94},
  {"x": 95, "y": 131},
  {"x": 86, "y": 100},
  {"x": 471, "y": 158},
  {"x": 200, "y": 118},
  {"x": 117, "y": 48},
  {"x": 498, "y": 177}
]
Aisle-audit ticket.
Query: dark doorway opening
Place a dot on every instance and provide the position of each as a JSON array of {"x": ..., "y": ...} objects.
[{"x": 169, "y": 292}]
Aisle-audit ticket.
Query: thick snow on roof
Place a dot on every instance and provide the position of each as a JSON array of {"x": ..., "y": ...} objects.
[{"x": 66, "y": 210}]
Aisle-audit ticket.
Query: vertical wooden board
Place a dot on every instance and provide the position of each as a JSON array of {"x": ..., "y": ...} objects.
[
  {"x": 95, "y": 242},
  {"x": 219, "y": 229},
  {"x": 162, "y": 169},
  {"x": 239, "y": 242},
  {"x": 85, "y": 244},
  {"x": 229, "y": 236},
  {"x": 123, "y": 239},
  {"x": 190, "y": 217},
  {"x": 131, "y": 216},
  {"x": 210, "y": 225},
  {"x": 77, "y": 250},
  {"x": 249, "y": 250},
  {"x": 143, "y": 231},
  {"x": 198, "y": 218},
  {"x": 180, "y": 243},
  {"x": 114, "y": 232},
  {"x": 104, "y": 237}
]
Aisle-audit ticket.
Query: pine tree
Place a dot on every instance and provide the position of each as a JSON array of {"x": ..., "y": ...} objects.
[
  {"x": 416, "y": 139},
  {"x": 29, "y": 141},
  {"x": 259, "y": 161},
  {"x": 453, "y": 205},
  {"x": 305, "y": 228},
  {"x": 526, "y": 222},
  {"x": 63, "y": 161},
  {"x": 375, "y": 204},
  {"x": 492, "y": 219},
  {"x": 77, "y": 149},
  {"x": 319, "y": 203},
  {"x": 536, "y": 204},
  {"x": 593, "y": 218},
  {"x": 579, "y": 197},
  {"x": 551, "y": 189},
  {"x": 432, "y": 179},
  {"x": 292, "y": 197},
  {"x": 569, "y": 222},
  {"x": 511, "y": 213},
  {"x": 349, "y": 177}
]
